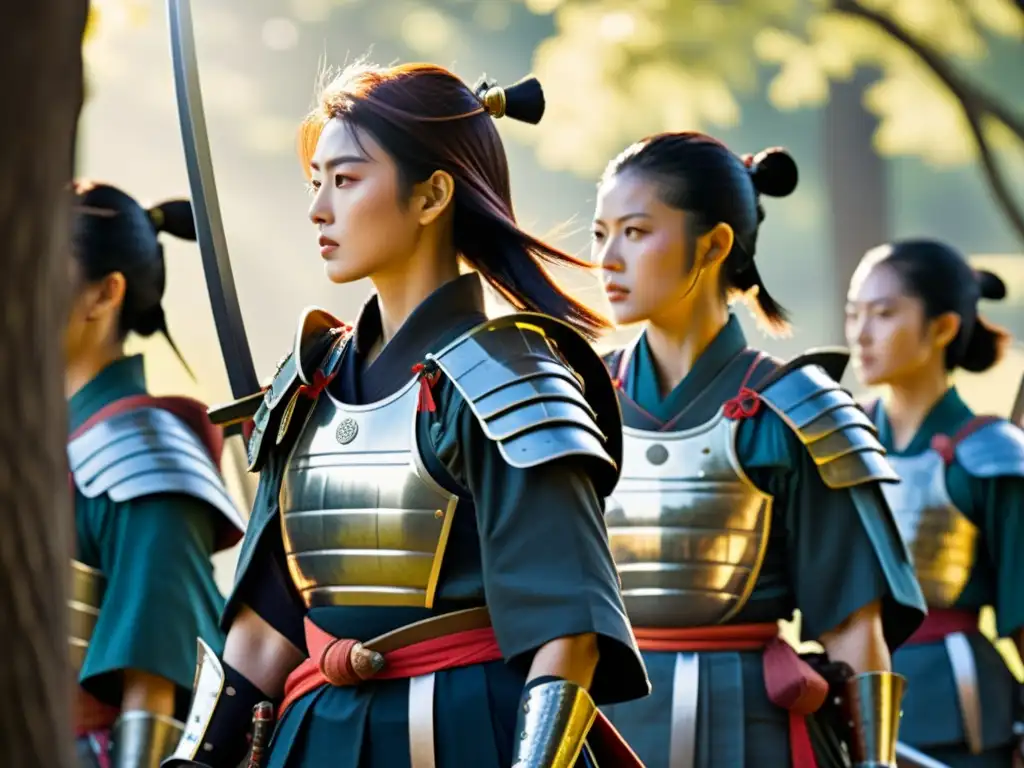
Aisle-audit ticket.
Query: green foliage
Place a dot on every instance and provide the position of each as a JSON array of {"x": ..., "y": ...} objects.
[{"x": 620, "y": 69}]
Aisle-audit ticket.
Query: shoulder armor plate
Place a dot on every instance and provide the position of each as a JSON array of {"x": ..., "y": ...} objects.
[
  {"x": 147, "y": 451},
  {"x": 539, "y": 391},
  {"x": 994, "y": 450},
  {"x": 314, "y": 339},
  {"x": 838, "y": 434}
]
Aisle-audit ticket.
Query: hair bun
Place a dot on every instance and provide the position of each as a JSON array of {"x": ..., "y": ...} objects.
[
  {"x": 175, "y": 218},
  {"x": 523, "y": 101},
  {"x": 773, "y": 172},
  {"x": 991, "y": 285}
]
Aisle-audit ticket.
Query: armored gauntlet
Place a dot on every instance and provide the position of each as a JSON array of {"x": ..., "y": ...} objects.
[
  {"x": 872, "y": 705},
  {"x": 218, "y": 722},
  {"x": 554, "y": 719}
]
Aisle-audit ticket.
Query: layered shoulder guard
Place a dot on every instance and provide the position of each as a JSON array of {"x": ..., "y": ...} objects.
[
  {"x": 147, "y": 451},
  {"x": 995, "y": 449},
  {"x": 539, "y": 391},
  {"x": 838, "y": 434},
  {"x": 319, "y": 341}
]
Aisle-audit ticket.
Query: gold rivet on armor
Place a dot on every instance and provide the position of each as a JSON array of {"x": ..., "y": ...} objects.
[
  {"x": 347, "y": 430},
  {"x": 705, "y": 450},
  {"x": 438, "y": 514},
  {"x": 230, "y": 691}
]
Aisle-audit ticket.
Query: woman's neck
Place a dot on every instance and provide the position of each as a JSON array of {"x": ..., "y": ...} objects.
[
  {"x": 400, "y": 292},
  {"x": 909, "y": 401},
  {"x": 676, "y": 343},
  {"x": 80, "y": 372}
]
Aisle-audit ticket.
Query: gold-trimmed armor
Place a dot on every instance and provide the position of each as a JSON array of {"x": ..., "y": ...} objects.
[
  {"x": 872, "y": 708},
  {"x": 142, "y": 739},
  {"x": 363, "y": 522},
  {"x": 88, "y": 586},
  {"x": 688, "y": 530},
  {"x": 554, "y": 720},
  {"x": 941, "y": 539},
  {"x": 207, "y": 689}
]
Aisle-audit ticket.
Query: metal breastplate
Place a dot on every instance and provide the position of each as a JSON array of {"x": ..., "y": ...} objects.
[
  {"x": 87, "y": 588},
  {"x": 687, "y": 529},
  {"x": 941, "y": 540},
  {"x": 363, "y": 523}
]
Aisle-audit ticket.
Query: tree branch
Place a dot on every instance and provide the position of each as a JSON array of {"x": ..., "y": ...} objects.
[{"x": 974, "y": 102}]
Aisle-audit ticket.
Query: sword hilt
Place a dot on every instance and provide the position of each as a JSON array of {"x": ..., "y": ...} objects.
[{"x": 262, "y": 727}]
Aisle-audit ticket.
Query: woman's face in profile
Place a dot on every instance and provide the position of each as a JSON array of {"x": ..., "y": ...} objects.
[{"x": 365, "y": 225}]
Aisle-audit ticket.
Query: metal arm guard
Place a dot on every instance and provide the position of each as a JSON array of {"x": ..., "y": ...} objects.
[
  {"x": 218, "y": 721},
  {"x": 554, "y": 719},
  {"x": 872, "y": 707},
  {"x": 147, "y": 451},
  {"x": 142, "y": 739},
  {"x": 839, "y": 436},
  {"x": 539, "y": 392}
]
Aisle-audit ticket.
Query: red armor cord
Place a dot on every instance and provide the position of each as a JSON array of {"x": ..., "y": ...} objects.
[{"x": 428, "y": 378}]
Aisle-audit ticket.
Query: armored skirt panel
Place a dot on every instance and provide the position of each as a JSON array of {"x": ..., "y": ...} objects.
[
  {"x": 87, "y": 588},
  {"x": 941, "y": 539},
  {"x": 363, "y": 523},
  {"x": 688, "y": 530}
]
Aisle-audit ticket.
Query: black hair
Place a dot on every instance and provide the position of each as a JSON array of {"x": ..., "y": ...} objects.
[
  {"x": 941, "y": 278},
  {"x": 700, "y": 175},
  {"x": 427, "y": 119},
  {"x": 112, "y": 232}
]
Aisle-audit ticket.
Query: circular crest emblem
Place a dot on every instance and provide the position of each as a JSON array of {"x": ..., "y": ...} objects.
[
  {"x": 657, "y": 454},
  {"x": 347, "y": 431}
]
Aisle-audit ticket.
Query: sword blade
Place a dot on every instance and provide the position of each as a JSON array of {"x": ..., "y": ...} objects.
[
  {"x": 908, "y": 757},
  {"x": 213, "y": 246}
]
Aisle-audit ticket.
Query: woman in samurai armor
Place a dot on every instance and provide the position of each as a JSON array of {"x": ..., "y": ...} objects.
[
  {"x": 912, "y": 320},
  {"x": 426, "y": 579},
  {"x": 749, "y": 487},
  {"x": 150, "y": 504}
]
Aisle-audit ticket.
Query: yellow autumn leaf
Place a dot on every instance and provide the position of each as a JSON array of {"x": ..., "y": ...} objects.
[
  {"x": 1003, "y": 17},
  {"x": 919, "y": 117}
]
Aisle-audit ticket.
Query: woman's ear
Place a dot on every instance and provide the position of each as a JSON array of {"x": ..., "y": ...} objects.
[{"x": 435, "y": 194}]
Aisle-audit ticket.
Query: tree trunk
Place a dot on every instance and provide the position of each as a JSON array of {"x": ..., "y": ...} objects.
[
  {"x": 41, "y": 55},
  {"x": 858, "y": 191}
]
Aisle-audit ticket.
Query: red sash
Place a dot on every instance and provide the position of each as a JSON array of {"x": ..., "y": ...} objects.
[
  {"x": 329, "y": 664},
  {"x": 941, "y": 622},
  {"x": 790, "y": 682}
]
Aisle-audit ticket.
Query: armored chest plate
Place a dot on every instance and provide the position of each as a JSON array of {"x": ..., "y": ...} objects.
[
  {"x": 688, "y": 530},
  {"x": 941, "y": 540},
  {"x": 362, "y": 521},
  {"x": 87, "y": 588}
]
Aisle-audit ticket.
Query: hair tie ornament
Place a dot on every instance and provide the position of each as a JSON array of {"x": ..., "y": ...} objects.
[
  {"x": 492, "y": 96},
  {"x": 523, "y": 101},
  {"x": 156, "y": 215}
]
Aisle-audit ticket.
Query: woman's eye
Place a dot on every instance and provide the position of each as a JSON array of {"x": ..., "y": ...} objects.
[{"x": 632, "y": 233}]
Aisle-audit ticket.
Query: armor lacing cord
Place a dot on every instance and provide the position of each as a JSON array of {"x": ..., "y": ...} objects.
[
  {"x": 747, "y": 402},
  {"x": 320, "y": 382},
  {"x": 945, "y": 446},
  {"x": 429, "y": 375}
]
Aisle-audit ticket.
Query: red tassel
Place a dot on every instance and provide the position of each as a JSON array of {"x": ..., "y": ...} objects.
[
  {"x": 743, "y": 406},
  {"x": 944, "y": 446},
  {"x": 320, "y": 382},
  {"x": 427, "y": 380},
  {"x": 617, "y": 383}
]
